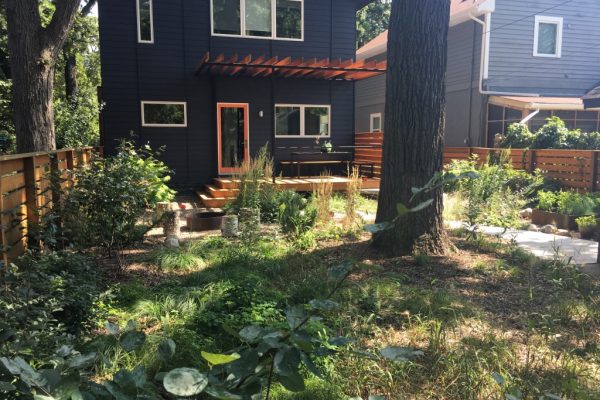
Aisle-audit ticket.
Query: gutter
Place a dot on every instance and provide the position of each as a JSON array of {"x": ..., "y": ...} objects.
[{"x": 485, "y": 52}]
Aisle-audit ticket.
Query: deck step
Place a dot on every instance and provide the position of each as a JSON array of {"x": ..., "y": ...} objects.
[
  {"x": 214, "y": 202},
  {"x": 215, "y": 191},
  {"x": 225, "y": 183}
]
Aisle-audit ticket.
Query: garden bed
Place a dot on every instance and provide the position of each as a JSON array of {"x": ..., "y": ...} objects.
[{"x": 561, "y": 221}]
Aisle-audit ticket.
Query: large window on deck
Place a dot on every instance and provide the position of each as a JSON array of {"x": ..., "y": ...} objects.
[
  {"x": 262, "y": 19},
  {"x": 295, "y": 120}
]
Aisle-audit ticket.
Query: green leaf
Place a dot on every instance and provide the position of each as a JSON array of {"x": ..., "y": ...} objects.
[
  {"x": 376, "y": 228},
  {"x": 6, "y": 387},
  {"x": 251, "y": 334},
  {"x": 376, "y": 397},
  {"x": 221, "y": 394},
  {"x": 340, "y": 341},
  {"x": 498, "y": 378},
  {"x": 310, "y": 365},
  {"x": 303, "y": 340},
  {"x": 395, "y": 353},
  {"x": 166, "y": 349},
  {"x": 325, "y": 305},
  {"x": 64, "y": 351},
  {"x": 185, "y": 382},
  {"x": 41, "y": 397},
  {"x": 245, "y": 365},
  {"x": 422, "y": 206},
  {"x": 132, "y": 340},
  {"x": 401, "y": 209},
  {"x": 293, "y": 382},
  {"x": 131, "y": 326},
  {"x": 295, "y": 315},
  {"x": 111, "y": 328},
  {"x": 82, "y": 360},
  {"x": 286, "y": 361},
  {"x": 219, "y": 359},
  {"x": 339, "y": 272}
]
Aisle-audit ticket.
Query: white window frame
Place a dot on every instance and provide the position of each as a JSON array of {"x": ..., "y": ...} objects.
[
  {"x": 139, "y": 25},
  {"x": 273, "y": 23},
  {"x": 558, "y": 21},
  {"x": 372, "y": 118},
  {"x": 179, "y": 103},
  {"x": 302, "y": 121}
]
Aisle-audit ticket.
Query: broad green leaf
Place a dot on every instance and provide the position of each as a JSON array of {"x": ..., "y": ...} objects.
[
  {"x": 326, "y": 305},
  {"x": 422, "y": 206},
  {"x": 295, "y": 315},
  {"x": 401, "y": 209},
  {"x": 166, "y": 349},
  {"x": 131, "y": 326},
  {"x": 498, "y": 378},
  {"x": 185, "y": 382},
  {"x": 10, "y": 365},
  {"x": 339, "y": 272},
  {"x": 42, "y": 397},
  {"x": 245, "y": 365},
  {"x": 340, "y": 341},
  {"x": 310, "y": 365},
  {"x": 376, "y": 228},
  {"x": 376, "y": 397},
  {"x": 219, "y": 359},
  {"x": 64, "y": 351},
  {"x": 251, "y": 333},
  {"x": 111, "y": 328},
  {"x": 132, "y": 340},
  {"x": 286, "y": 361},
  {"x": 395, "y": 353},
  {"x": 303, "y": 340},
  {"x": 221, "y": 394},
  {"x": 293, "y": 382},
  {"x": 6, "y": 387},
  {"x": 82, "y": 361},
  {"x": 552, "y": 396}
]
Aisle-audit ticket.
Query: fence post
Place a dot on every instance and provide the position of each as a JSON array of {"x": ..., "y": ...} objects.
[
  {"x": 531, "y": 165},
  {"x": 31, "y": 197},
  {"x": 594, "y": 169},
  {"x": 3, "y": 229}
]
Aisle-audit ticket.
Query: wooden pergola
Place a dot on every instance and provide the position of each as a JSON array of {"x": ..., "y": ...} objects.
[{"x": 288, "y": 67}]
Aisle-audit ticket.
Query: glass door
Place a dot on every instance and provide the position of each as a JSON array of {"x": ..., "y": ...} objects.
[{"x": 233, "y": 134}]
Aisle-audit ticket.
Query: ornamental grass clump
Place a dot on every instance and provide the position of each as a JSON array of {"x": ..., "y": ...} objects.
[{"x": 322, "y": 194}]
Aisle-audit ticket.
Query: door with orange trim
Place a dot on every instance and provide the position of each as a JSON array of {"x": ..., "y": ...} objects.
[{"x": 232, "y": 136}]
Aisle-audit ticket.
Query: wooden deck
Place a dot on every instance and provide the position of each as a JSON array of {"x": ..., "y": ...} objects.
[{"x": 224, "y": 190}]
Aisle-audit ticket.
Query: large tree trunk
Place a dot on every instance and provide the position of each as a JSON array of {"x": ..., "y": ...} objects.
[
  {"x": 33, "y": 52},
  {"x": 414, "y": 124},
  {"x": 71, "y": 84}
]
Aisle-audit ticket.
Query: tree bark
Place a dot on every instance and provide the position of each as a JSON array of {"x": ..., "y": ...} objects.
[
  {"x": 33, "y": 52},
  {"x": 71, "y": 84},
  {"x": 414, "y": 124}
]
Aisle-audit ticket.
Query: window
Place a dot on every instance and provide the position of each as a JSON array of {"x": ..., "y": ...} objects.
[
  {"x": 548, "y": 37},
  {"x": 262, "y": 19},
  {"x": 145, "y": 21},
  {"x": 164, "y": 114},
  {"x": 499, "y": 119},
  {"x": 376, "y": 122},
  {"x": 293, "y": 120}
]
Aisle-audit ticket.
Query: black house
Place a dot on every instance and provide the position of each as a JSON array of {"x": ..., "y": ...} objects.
[{"x": 216, "y": 80}]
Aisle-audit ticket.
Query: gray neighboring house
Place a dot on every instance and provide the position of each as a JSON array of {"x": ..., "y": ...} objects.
[{"x": 539, "y": 58}]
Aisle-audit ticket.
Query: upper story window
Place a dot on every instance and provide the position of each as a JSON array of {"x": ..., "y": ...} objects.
[
  {"x": 145, "y": 22},
  {"x": 263, "y": 19},
  {"x": 375, "y": 124},
  {"x": 296, "y": 120},
  {"x": 548, "y": 36},
  {"x": 164, "y": 114}
]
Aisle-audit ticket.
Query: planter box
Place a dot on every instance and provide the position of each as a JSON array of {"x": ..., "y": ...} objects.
[
  {"x": 562, "y": 221},
  {"x": 205, "y": 221}
]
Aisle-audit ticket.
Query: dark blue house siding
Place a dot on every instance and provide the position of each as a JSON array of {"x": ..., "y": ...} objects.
[{"x": 165, "y": 71}]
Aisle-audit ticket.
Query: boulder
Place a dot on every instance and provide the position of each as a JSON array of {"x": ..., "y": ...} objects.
[
  {"x": 548, "y": 229},
  {"x": 172, "y": 241},
  {"x": 526, "y": 213},
  {"x": 533, "y": 228},
  {"x": 563, "y": 232}
]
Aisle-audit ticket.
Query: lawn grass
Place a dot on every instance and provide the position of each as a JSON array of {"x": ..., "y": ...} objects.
[{"x": 487, "y": 311}]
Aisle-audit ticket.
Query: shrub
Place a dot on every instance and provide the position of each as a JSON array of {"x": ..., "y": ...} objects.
[
  {"x": 586, "y": 225},
  {"x": 553, "y": 135},
  {"x": 517, "y": 136},
  {"x": 296, "y": 214},
  {"x": 76, "y": 122},
  {"x": 322, "y": 195},
  {"x": 546, "y": 200},
  {"x": 573, "y": 203},
  {"x": 104, "y": 207},
  {"x": 252, "y": 181}
]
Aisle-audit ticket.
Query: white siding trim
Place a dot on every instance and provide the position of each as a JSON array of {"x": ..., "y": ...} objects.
[
  {"x": 183, "y": 103},
  {"x": 139, "y": 25},
  {"x": 372, "y": 119},
  {"x": 559, "y": 35}
]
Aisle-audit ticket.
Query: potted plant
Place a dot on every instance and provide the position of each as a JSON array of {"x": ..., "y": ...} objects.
[
  {"x": 326, "y": 147},
  {"x": 587, "y": 226}
]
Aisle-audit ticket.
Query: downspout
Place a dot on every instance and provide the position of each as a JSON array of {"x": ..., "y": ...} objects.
[{"x": 485, "y": 48}]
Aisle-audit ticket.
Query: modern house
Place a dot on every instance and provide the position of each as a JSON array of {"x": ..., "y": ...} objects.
[
  {"x": 508, "y": 61},
  {"x": 215, "y": 80}
]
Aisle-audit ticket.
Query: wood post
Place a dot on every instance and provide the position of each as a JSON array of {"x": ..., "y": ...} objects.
[
  {"x": 531, "y": 166},
  {"x": 31, "y": 196},
  {"x": 594, "y": 159},
  {"x": 3, "y": 229}
]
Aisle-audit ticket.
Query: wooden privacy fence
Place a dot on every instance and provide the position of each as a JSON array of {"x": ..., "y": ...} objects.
[
  {"x": 575, "y": 169},
  {"x": 26, "y": 193}
]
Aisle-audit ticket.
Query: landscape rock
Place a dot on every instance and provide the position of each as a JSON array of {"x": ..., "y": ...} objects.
[
  {"x": 563, "y": 232},
  {"x": 526, "y": 213},
  {"x": 548, "y": 229},
  {"x": 533, "y": 228},
  {"x": 172, "y": 241}
]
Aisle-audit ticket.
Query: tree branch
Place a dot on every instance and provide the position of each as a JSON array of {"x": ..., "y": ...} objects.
[{"x": 56, "y": 32}]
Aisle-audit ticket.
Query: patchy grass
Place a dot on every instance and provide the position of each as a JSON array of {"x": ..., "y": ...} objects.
[
  {"x": 364, "y": 204},
  {"x": 489, "y": 310}
]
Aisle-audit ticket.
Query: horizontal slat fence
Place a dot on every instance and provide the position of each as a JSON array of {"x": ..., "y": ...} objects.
[
  {"x": 26, "y": 194},
  {"x": 575, "y": 169}
]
